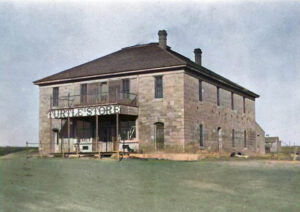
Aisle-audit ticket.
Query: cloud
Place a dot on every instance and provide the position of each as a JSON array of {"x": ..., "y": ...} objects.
[{"x": 252, "y": 43}]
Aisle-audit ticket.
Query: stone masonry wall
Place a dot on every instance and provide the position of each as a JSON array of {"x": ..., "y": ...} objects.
[
  {"x": 168, "y": 110},
  {"x": 212, "y": 117}
]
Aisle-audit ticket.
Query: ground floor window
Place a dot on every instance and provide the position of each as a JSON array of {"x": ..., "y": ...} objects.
[
  {"x": 233, "y": 138},
  {"x": 245, "y": 138},
  {"x": 201, "y": 135}
]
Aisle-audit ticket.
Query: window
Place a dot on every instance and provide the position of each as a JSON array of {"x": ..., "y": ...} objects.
[
  {"x": 233, "y": 137},
  {"x": 55, "y": 95},
  {"x": 158, "y": 87},
  {"x": 83, "y": 93},
  {"x": 125, "y": 85},
  {"x": 218, "y": 96},
  {"x": 103, "y": 91},
  {"x": 245, "y": 138},
  {"x": 200, "y": 90},
  {"x": 125, "y": 88},
  {"x": 232, "y": 101},
  {"x": 201, "y": 135},
  {"x": 244, "y": 104}
]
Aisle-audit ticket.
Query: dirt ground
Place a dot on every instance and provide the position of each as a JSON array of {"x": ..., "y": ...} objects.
[{"x": 55, "y": 184}]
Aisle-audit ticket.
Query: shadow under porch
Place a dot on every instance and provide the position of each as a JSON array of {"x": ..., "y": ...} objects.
[{"x": 95, "y": 134}]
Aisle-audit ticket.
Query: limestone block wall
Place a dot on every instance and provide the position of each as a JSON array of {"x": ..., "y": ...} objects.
[
  {"x": 168, "y": 110},
  {"x": 212, "y": 117}
]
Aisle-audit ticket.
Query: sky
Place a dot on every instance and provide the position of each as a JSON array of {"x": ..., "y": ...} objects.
[{"x": 253, "y": 43}]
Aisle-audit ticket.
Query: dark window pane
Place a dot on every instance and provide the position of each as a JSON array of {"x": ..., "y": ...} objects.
[
  {"x": 200, "y": 90},
  {"x": 201, "y": 135},
  {"x": 55, "y": 96},
  {"x": 158, "y": 87},
  {"x": 218, "y": 96},
  {"x": 233, "y": 138},
  {"x": 83, "y": 93},
  {"x": 245, "y": 138},
  {"x": 125, "y": 85},
  {"x": 232, "y": 101},
  {"x": 244, "y": 104}
]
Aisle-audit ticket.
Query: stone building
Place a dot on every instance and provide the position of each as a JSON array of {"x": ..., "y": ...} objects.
[
  {"x": 273, "y": 144},
  {"x": 145, "y": 98}
]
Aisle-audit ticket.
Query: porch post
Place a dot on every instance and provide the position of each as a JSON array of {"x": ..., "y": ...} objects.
[
  {"x": 97, "y": 133},
  {"x": 117, "y": 133},
  {"x": 69, "y": 132},
  {"x": 51, "y": 138}
]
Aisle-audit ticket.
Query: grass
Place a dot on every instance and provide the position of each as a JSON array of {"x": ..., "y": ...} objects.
[
  {"x": 8, "y": 149},
  {"x": 43, "y": 184}
]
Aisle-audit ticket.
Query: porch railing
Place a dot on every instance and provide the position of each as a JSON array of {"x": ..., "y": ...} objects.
[{"x": 122, "y": 98}]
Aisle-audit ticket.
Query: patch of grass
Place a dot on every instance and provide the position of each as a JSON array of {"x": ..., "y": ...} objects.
[
  {"x": 9, "y": 149},
  {"x": 55, "y": 184}
]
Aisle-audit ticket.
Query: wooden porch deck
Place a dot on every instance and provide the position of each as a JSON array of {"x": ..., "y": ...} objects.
[{"x": 87, "y": 154}]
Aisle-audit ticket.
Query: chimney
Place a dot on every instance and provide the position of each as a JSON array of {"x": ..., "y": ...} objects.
[
  {"x": 162, "y": 36},
  {"x": 198, "y": 56}
]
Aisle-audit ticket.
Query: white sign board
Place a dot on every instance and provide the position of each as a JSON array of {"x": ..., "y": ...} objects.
[{"x": 86, "y": 111}]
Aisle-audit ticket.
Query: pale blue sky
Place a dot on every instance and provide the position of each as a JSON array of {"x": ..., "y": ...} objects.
[{"x": 255, "y": 44}]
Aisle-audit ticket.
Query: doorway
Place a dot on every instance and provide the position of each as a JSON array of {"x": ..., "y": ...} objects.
[
  {"x": 159, "y": 135},
  {"x": 220, "y": 139}
]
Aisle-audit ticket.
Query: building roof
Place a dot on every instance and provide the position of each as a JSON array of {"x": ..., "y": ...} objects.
[{"x": 146, "y": 57}]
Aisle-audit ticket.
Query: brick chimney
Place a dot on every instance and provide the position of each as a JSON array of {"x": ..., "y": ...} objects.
[
  {"x": 162, "y": 38},
  {"x": 198, "y": 56}
]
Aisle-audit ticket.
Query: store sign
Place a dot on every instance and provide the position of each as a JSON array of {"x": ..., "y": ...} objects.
[{"x": 86, "y": 111}]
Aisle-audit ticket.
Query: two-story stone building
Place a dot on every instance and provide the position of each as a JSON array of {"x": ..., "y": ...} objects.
[{"x": 148, "y": 98}]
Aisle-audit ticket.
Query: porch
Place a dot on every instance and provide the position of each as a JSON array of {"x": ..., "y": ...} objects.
[
  {"x": 95, "y": 134},
  {"x": 93, "y": 123}
]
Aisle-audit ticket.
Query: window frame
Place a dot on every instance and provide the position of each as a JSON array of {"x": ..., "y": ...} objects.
[
  {"x": 245, "y": 139},
  {"x": 218, "y": 96},
  {"x": 83, "y": 93},
  {"x": 55, "y": 96},
  {"x": 244, "y": 104},
  {"x": 200, "y": 90},
  {"x": 126, "y": 89},
  {"x": 201, "y": 144},
  {"x": 232, "y": 101},
  {"x": 158, "y": 87},
  {"x": 233, "y": 137}
]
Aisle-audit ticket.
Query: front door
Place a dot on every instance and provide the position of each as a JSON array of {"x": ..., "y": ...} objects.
[{"x": 159, "y": 136}]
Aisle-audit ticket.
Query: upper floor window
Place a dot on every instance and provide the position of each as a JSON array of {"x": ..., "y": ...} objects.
[
  {"x": 244, "y": 104},
  {"x": 232, "y": 101},
  {"x": 55, "y": 95},
  {"x": 200, "y": 90},
  {"x": 158, "y": 87},
  {"x": 218, "y": 96},
  {"x": 125, "y": 85},
  {"x": 83, "y": 93},
  {"x": 201, "y": 135}
]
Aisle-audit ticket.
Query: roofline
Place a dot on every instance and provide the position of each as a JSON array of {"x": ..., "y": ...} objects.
[
  {"x": 106, "y": 75},
  {"x": 225, "y": 82}
]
